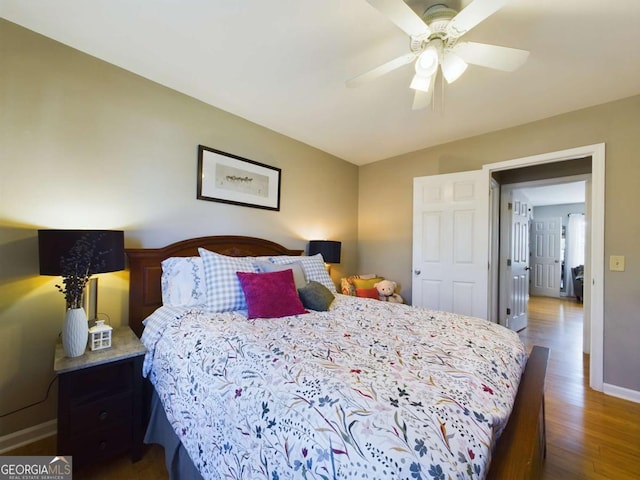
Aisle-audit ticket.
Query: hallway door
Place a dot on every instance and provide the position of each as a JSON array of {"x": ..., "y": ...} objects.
[
  {"x": 545, "y": 257},
  {"x": 514, "y": 258}
]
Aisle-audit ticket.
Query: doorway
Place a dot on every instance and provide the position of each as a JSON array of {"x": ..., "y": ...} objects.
[
  {"x": 556, "y": 246},
  {"x": 533, "y": 219},
  {"x": 558, "y": 239},
  {"x": 480, "y": 242},
  {"x": 563, "y": 164}
]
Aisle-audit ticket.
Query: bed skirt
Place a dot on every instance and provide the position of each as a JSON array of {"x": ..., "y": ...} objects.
[{"x": 179, "y": 464}]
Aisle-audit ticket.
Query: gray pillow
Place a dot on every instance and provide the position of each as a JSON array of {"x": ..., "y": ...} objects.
[
  {"x": 298, "y": 274},
  {"x": 315, "y": 296}
]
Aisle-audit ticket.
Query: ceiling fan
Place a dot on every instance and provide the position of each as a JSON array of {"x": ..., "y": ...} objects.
[{"x": 434, "y": 42}]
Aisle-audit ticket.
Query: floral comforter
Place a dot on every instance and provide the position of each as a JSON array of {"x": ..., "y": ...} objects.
[{"x": 368, "y": 390}]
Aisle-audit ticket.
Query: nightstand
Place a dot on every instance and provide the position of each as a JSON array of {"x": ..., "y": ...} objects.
[{"x": 100, "y": 400}]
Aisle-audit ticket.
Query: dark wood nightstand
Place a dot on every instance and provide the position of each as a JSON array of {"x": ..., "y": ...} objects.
[{"x": 100, "y": 400}]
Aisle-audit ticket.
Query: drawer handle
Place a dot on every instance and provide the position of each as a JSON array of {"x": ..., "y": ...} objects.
[
  {"x": 102, "y": 445},
  {"x": 103, "y": 416}
]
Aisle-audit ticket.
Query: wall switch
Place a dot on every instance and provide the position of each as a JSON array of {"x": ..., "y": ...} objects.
[{"x": 616, "y": 263}]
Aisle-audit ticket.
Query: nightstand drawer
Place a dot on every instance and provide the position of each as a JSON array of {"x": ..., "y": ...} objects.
[
  {"x": 101, "y": 381},
  {"x": 102, "y": 443},
  {"x": 101, "y": 413}
]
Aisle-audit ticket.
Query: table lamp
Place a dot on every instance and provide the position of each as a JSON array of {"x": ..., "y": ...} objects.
[
  {"x": 54, "y": 245},
  {"x": 329, "y": 249}
]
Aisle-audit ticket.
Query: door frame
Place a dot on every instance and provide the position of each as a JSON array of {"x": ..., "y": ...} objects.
[{"x": 595, "y": 204}]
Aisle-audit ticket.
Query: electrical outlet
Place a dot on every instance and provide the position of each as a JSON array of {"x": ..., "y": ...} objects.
[{"x": 616, "y": 263}]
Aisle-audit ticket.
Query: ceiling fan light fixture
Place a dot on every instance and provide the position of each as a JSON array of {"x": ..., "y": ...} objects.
[
  {"x": 420, "y": 83},
  {"x": 452, "y": 67},
  {"x": 434, "y": 42},
  {"x": 427, "y": 62}
]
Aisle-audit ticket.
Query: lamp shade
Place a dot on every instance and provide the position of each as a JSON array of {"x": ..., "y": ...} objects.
[
  {"x": 452, "y": 67},
  {"x": 54, "y": 245},
  {"x": 329, "y": 249}
]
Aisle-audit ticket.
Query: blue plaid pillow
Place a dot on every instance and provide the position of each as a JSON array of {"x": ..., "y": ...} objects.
[
  {"x": 224, "y": 292},
  {"x": 313, "y": 266}
]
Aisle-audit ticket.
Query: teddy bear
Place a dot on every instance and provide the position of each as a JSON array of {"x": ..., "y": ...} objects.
[{"x": 386, "y": 291}]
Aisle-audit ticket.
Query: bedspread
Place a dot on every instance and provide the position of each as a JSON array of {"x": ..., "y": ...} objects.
[{"x": 368, "y": 390}]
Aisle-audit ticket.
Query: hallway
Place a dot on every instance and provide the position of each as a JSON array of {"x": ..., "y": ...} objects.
[{"x": 589, "y": 435}]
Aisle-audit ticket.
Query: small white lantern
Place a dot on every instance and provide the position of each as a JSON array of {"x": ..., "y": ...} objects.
[{"x": 100, "y": 335}]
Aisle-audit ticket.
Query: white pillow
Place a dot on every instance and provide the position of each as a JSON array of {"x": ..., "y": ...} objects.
[
  {"x": 223, "y": 290},
  {"x": 313, "y": 267},
  {"x": 182, "y": 282}
]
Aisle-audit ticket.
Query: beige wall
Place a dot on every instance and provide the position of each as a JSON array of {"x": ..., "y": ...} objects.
[
  {"x": 385, "y": 220},
  {"x": 85, "y": 144}
]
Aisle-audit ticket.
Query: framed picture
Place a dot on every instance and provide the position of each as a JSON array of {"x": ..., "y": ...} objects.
[{"x": 227, "y": 178}]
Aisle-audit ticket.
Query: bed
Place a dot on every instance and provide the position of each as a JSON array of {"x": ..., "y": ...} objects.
[{"x": 352, "y": 392}]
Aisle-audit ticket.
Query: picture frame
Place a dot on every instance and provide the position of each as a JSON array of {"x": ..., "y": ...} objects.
[{"x": 227, "y": 178}]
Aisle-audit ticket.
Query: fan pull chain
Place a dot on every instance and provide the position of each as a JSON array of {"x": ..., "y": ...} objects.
[
  {"x": 442, "y": 93},
  {"x": 433, "y": 99}
]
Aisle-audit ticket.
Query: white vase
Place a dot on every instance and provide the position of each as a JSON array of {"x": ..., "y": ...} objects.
[{"x": 75, "y": 332}]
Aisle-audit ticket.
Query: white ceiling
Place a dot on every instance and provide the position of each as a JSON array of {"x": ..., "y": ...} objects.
[
  {"x": 559, "y": 194},
  {"x": 283, "y": 63}
]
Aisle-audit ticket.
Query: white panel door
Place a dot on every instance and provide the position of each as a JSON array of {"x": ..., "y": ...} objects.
[
  {"x": 514, "y": 258},
  {"x": 545, "y": 256},
  {"x": 451, "y": 242}
]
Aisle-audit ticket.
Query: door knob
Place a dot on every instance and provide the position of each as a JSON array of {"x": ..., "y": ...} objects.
[
  {"x": 527, "y": 268},
  {"x": 417, "y": 272}
]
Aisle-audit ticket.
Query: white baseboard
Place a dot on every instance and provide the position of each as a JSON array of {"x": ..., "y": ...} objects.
[
  {"x": 620, "y": 392},
  {"x": 28, "y": 435}
]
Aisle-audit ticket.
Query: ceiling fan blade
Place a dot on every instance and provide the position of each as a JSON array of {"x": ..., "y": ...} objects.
[
  {"x": 423, "y": 97},
  {"x": 381, "y": 70},
  {"x": 421, "y": 100},
  {"x": 472, "y": 15},
  {"x": 491, "y": 56},
  {"x": 401, "y": 14},
  {"x": 418, "y": 82}
]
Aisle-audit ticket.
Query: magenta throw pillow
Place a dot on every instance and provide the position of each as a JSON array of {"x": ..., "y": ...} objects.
[{"x": 271, "y": 294}]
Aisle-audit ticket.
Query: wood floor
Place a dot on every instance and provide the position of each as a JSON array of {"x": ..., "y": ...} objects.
[
  {"x": 151, "y": 467},
  {"x": 589, "y": 435}
]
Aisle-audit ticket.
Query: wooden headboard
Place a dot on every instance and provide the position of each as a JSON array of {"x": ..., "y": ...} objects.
[{"x": 145, "y": 295}]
